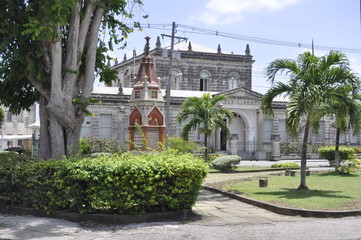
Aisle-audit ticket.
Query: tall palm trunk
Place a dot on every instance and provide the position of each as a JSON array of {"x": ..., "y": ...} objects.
[
  {"x": 337, "y": 152},
  {"x": 304, "y": 157},
  {"x": 205, "y": 148}
]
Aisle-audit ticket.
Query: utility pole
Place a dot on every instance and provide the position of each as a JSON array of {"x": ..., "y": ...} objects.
[{"x": 167, "y": 93}]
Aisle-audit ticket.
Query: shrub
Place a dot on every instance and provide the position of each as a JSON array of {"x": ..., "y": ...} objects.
[
  {"x": 287, "y": 164},
  {"x": 120, "y": 183},
  {"x": 350, "y": 166},
  {"x": 357, "y": 150},
  {"x": 226, "y": 163},
  {"x": 182, "y": 145},
  {"x": 329, "y": 153},
  {"x": 94, "y": 145}
]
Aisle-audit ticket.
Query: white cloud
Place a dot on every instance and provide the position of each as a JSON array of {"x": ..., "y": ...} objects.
[{"x": 223, "y": 12}]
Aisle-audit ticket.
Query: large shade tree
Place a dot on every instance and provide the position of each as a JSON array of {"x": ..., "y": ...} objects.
[
  {"x": 205, "y": 115},
  {"x": 312, "y": 82},
  {"x": 50, "y": 51}
]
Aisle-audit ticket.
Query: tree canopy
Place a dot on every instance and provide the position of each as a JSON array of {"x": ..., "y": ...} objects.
[{"x": 50, "y": 51}]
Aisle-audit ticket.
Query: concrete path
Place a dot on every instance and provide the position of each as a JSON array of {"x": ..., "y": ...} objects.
[{"x": 217, "y": 209}]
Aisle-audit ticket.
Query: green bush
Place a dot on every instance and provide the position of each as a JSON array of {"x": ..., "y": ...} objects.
[
  {"x": 182, "y": 145},
  {"x": 287, "y": 164},
  {"x": 95, "y": 145},
  {"x": 120, "y": 183},
  {"x": 226, "y": 163},
  {"x": 329, "y": 153},
  {"x": 12, "y": 167}
]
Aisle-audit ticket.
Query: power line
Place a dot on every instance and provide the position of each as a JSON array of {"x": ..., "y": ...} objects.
[{"x": 268, "y": 41}]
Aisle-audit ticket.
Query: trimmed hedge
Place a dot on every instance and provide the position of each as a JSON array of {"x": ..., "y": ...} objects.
[
  {"x": 123, "y": 184},
  {"x": 329, "y": 153},
  {"x": 226, "y": 163},
  {"x": 287, "y": 164}
]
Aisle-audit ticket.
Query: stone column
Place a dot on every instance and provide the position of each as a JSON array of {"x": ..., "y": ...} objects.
[
  {"x": 276, "y": 150},
  {"x": 233, "y": 144}
]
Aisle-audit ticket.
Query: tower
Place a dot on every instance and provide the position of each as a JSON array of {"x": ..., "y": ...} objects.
[{"x": 146, "y": 120}]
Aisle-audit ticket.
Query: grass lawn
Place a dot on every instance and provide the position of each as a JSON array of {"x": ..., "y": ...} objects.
[
  {"x": 326, "y": 191},
  {"x": 245, "y": 168}
]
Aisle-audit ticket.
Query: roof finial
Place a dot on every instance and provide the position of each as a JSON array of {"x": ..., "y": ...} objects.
[
  {"x": 219, "y": 49},
  {"x": 125, "y": 57},
  {"x": 146, "y": 47},
  {"x": 247, "y": 50},
  {"x": 157, "y": 44},
  {"x": 190, "y": 46}
]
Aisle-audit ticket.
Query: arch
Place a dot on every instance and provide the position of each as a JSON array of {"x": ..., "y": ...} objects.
[
  {"x": 243, "y": 126},
  {"x": 135, "y": 117},
  {"x": 155, "y": 117},
  {"x": 204, "y": 80},
  {"x": 128, "y": 76},
  {"x": 233, "y": 79}
]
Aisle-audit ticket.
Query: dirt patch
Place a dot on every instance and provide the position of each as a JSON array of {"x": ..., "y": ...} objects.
[{"x": 354, "y": 204}]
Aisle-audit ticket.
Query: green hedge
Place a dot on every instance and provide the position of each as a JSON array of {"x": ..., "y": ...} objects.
[
  {"x": 123, "y": 184},
  {"x": 226, "y": 163},
  {"x": 329, "y": 153},
  {"x": 287, "y": 164}
]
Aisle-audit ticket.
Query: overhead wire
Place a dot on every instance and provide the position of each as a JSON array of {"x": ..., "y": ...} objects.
[{"x": 202, "y": 31}]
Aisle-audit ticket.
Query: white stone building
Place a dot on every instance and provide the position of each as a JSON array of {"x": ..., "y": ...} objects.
[
  {"x": 15, "y": 129},
  {"x": 194, "y": 73}
]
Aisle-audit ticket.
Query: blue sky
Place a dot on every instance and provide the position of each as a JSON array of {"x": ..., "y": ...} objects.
[{"x": 331, "y": 23}]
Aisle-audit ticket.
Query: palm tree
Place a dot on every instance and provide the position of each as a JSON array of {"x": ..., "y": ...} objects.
[
  {"x": 312, "y": 80},
  {"x": 347, "y": 112},
  {"x": 205, "y": 115},
  {"x": 2, "y": 117}
]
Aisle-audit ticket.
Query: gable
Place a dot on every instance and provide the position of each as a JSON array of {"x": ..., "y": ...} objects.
[{"x": 241, "y": 93}]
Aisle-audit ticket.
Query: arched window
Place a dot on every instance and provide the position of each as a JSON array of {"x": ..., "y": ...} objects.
[
  {"x": 128, "y": 78},
  {"x": 176, "y": 78},
  {"x": 233, "y": 80},
  {"x": 204, "y": 81}
]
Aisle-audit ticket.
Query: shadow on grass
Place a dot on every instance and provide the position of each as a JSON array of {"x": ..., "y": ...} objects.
[
  {"x": 335, "y": 174},
  {"x": 303, "y": 194}
]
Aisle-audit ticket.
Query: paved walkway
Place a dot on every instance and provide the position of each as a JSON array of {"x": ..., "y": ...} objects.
[{"x": 217, "y": 209}]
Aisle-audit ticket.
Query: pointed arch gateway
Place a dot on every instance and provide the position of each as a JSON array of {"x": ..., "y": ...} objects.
[
  {"x": 156, "y": 128},
  {"x": 134, "y": 136}
]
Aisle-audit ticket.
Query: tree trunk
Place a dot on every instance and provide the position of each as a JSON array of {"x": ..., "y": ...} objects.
[
  {"x": 337, "y": 152},
  {"x": 205, "y": 148},
  {"x": 45, "y": 142},
  {"x": 304, "y": 157},
  {"x": 60, "y": 117}
]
